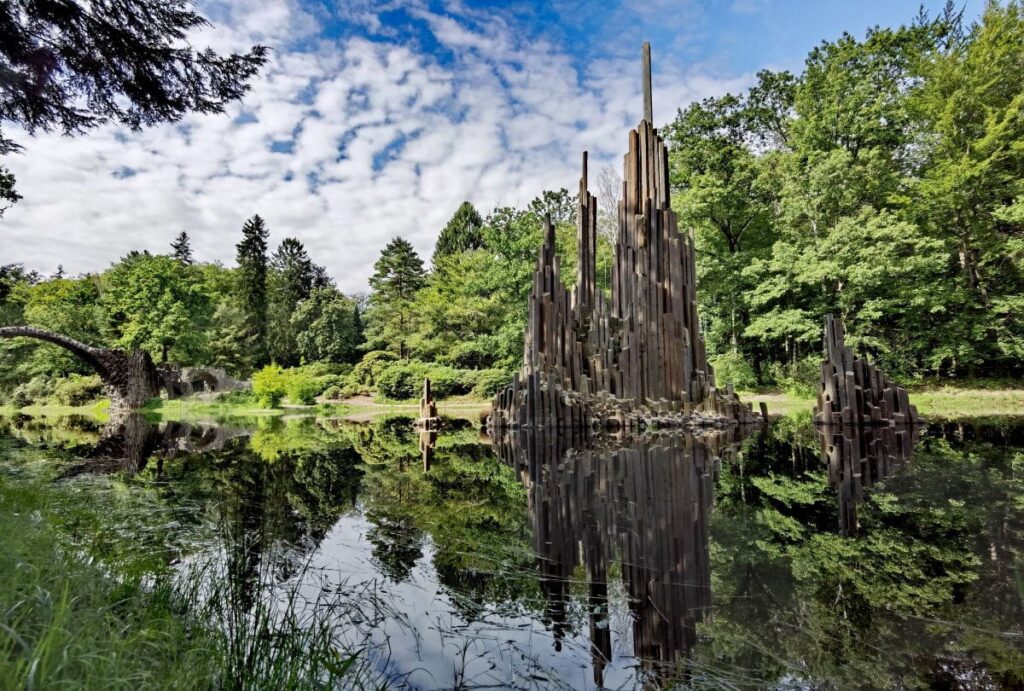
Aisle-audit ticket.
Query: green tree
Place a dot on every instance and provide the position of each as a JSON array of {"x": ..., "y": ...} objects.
[
  {"x": 251, "y": 255},
  {"x": 290, "y": 281},
  {"x": 155, "y": 303},
  {"x": 327, "y": 327},
  {"x": 398, "y": 274},
  {"x": 73, "y": 66},
  {"x": 970, "y": 126},
  {"x": 462, "y": 233}
]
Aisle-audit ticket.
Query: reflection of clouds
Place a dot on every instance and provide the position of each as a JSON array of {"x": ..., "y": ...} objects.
[{"x": 343, "y": 141}]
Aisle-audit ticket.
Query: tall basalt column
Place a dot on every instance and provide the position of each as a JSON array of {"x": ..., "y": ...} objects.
[{"x": 636, "y": 356}]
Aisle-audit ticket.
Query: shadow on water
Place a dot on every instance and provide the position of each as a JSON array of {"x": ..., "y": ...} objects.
[{"x": 794, "y": 557}]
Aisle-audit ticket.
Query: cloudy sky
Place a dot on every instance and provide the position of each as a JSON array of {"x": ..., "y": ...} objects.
[{"x": 377, "y": 118}]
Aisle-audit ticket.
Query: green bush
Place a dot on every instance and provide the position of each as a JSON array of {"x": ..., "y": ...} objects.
[
  {"x": 799, "y": 378},
  {"x": 731, "y": 368},
  {"x": 323, "y": 369},
  {"x": 333, "y": 393},
  {"x": 270, "y": 385},
  {"x": 366, "y": 372},
  {"x": 78, "y": 389},
  {"x": 490, "y": 381},
  {"x": 241, "y": 396},
  {"x": 35, "y": 390},
  {"x": 447, "y": 381},
  {"x": 302, "y": 389},
  {"x": 400, "y": 381},
  {"x": 327, "y": 381}
]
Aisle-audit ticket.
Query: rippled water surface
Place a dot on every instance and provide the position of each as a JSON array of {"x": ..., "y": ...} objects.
[{"x": 788, "y": 558}]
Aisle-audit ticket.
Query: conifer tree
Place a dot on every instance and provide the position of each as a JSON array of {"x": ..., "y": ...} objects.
[
  {"x": 182, "y": 249},
  {"x": 292, "y": 279},
  {"x": 463, "y": 232},
  {"x": 252, "y": 283},
  {"x": 398, "y": 274}
]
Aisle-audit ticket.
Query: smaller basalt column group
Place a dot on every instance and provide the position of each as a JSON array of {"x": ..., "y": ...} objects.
[{"x": 852, "y": 391}]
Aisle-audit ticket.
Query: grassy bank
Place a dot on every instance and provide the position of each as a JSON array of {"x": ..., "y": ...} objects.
[
  {"x": 67, "y": 623},
  {"x": 84, "y": 603},
  {"x": 934, "y": 400}
]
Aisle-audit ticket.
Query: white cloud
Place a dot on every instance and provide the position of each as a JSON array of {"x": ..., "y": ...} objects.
[{"x": 506, "y": 117}]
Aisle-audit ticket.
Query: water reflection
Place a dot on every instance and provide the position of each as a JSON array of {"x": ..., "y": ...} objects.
[
  {"x": 641, "y": 509},
  {"x": 859, "y": 457},
  {"x": 549, "y": 561}
]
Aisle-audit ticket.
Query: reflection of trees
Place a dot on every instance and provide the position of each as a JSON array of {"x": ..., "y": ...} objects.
[
  {"x": 917, "y": 594},
  {"x": 644, "y": 506},
  {"x": 471, "y": 508}
]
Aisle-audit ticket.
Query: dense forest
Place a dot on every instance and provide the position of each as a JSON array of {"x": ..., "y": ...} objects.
[{"x": 885, "y": 184}]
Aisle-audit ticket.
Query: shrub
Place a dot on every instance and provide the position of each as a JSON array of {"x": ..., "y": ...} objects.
[
  {"x": 333, "y": 393},
  {"x": 370, "y": 366},
  {"x": 490, "y": 382},
  {"x": 447, "y": 381},
  {"x": 78, "y": 389},
  {"x": 241, "y": 396},
  {"x": 322, "y": 369},
  {"x": 270, "y": 385},
  {"x": 731, "y": 368},
  {"x": 400, "y": 380},
  {"x": 799, "y": 378},
  {"x": 327, "y": 381},
  {"x": 302, "y": 389},
  {"x": 35, "y": 390}
]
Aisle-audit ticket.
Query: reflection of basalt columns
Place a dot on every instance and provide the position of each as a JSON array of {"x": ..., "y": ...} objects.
[
  {"x": 645, "y": 506},
  {"x": 857, "y": 458},
  {"x": 852, "y": 391},
  {"x": 636, "y": 358}
]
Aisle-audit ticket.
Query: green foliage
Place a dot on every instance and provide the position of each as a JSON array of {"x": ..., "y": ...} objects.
[
  {"x": 798, "y": 378},
  {"x": 731, "y": 368},
  {"x": 251, "y": 255},
  {"x": 326, "y": 327},
  {"x": 154, "y": 302},
  {"x": 333, "y": 393},
  {"x": 490, "y": 381},
  {"x": 301, "y": 388},
  {"x": 403, "y": 380},
  {"x": 366, "y": 372},
  {"x": 270, "y": 385},
  {"x": 397, "y": 275},
  {"x": 461, "y": 234},
  {"x": 36, "y": 390},
  {"x": 77, "y": 389}
]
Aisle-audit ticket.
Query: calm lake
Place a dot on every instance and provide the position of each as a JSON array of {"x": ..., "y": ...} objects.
[{"x": 787, "y": 559}]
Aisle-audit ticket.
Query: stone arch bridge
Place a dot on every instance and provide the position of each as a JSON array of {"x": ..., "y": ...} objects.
[{"x": 132, "y": 378}]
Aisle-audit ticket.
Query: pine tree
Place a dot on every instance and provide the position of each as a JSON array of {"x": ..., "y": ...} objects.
[
  {"x": 252, "y": 283},
  {"x": 182, "y": 249},
  {"x": 463, "y": 232},
  {"x": 398, "y": 274},
  {"x": 292, "y": 279}
]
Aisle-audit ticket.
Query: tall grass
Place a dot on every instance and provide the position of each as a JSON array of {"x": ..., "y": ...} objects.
[{"x": 69, "y": 622}]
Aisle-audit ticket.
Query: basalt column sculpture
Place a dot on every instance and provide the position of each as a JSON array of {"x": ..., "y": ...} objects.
[
  {"x": 634, "y": 357},
  {"x": 855, "y": 392}
]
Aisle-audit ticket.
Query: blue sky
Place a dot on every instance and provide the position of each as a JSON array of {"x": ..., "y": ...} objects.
[{"x": 376, "y": 119}]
